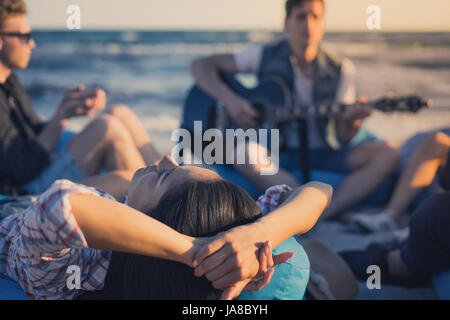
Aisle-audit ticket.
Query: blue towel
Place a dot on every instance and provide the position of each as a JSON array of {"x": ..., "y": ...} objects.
[
  {"x": 441, "y": 283},
  {"x": 11, "y": 290},
  {"x": 289, "y": 280}
]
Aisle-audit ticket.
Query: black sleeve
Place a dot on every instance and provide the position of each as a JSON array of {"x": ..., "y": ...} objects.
[
  {"x": 21, "y": 159},
  {"x": 14, "y": 88},
  {"x": 39, "y": 127}
]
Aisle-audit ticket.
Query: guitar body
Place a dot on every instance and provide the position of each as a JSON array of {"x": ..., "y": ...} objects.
[{"x": 199, "y": 106}]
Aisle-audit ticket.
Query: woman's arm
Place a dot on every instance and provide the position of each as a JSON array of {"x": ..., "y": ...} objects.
[
  {"x": 70, "y": 215},
  {"x": 298, "y": 214},
  {"x": 110, "y": 225}
]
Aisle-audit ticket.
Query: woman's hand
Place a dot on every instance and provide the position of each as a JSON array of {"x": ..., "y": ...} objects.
[
  {"x": 234, "y": 259},
  {"x": 266, "y": 271},
  {"x": 230, "y": 257}
]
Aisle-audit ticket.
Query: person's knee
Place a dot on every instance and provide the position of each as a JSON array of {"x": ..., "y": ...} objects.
[
  {"x": 442, "y": 138},
  {"x": 392, "y": 151},
  {"x": 120, "y": 111},
  {"x": 98, "y": 128},
  {"x": 113, "y": 129},
  {"x": 126, "y": 175},
  {"x": 386, "y": 153},
  {"x": 253, "y": 158},
  {"x": 437, "y": 145}
]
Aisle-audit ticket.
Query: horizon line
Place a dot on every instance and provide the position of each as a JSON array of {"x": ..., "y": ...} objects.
[{"x": 337, "y": 30}]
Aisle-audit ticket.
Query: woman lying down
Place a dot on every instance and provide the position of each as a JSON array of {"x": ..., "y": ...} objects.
[{"x": 185, "y": 233}]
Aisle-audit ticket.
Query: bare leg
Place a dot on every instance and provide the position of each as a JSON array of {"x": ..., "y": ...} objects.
[
  {"x": 419, "y": 173},
  {"x": 138, "y": 133},
  {"x": 372, "y": 162},
  {"x": 105, "y": 143},
  {"x": 116, "y": 183}
]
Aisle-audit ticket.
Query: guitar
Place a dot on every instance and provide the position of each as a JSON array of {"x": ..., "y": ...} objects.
[{"x": 272, "y": 100}]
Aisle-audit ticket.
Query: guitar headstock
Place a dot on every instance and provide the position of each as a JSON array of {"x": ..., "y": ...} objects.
[{"x": 402, "y": 104}]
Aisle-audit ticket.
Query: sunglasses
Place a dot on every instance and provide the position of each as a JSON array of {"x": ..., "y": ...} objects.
[{"x": 24, "y": 37}]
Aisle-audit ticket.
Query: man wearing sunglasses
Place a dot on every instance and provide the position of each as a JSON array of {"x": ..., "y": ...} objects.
[{"x": 115, "y": 141}]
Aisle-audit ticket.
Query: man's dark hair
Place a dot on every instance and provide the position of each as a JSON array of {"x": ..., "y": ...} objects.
[
  {"x": 195, "y": 208},
  {"x": 291, "y": 4},
  {"x": 9, "y": 8}
]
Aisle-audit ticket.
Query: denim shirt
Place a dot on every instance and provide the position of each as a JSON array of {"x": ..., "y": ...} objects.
[{"x": 276, "y": 62}]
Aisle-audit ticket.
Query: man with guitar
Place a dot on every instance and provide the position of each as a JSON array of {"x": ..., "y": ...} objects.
[{"x": 312, "y": 76}]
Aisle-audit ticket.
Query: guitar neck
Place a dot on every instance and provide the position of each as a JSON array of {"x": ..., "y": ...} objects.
[
  {"x": 399, "y": 104},
  {"x": 316, "y": 110}
]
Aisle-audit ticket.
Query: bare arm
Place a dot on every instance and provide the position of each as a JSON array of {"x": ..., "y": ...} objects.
[
  {"x": 206, "y": 72},
  {"x": 298, "y": 214},
  {"x": 109, "y": 225}
]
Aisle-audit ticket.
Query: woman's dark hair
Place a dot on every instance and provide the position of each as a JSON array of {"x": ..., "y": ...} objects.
[
  {"x": 291, "y": 4},
  {"x": 196, "y": 208}
]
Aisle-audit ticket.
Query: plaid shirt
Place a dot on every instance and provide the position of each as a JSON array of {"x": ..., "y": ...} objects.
[
  {"x": 38, "y": 245},
  {"x": 270, "y": 200}
]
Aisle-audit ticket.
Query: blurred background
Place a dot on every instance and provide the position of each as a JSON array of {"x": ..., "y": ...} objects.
[{"x": 139, "y": 51}]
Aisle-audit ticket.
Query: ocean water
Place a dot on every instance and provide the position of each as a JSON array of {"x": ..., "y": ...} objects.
[{"x": 149, "y": 71}]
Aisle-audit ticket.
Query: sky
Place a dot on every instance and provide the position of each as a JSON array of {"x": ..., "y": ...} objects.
[{"x": 341, "y": 15}]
